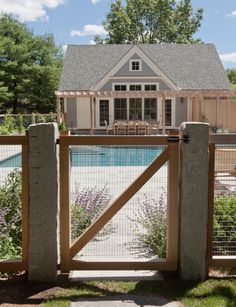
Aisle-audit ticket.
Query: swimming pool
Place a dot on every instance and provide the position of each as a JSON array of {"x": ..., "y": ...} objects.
[{"x": 102, "y": 156}]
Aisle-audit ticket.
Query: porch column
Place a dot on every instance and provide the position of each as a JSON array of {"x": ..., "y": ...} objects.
[
  {"x": 91, "y": 116},
  {"x": 194, "y": 165},
  {"x": 189, "y": 109},
  {"x": 163, "y": 100}
]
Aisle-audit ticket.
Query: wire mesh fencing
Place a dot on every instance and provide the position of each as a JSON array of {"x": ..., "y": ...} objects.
[
  {"x": 10, "y": 202},
  {"x": 224, "y": 222},
  {"x": 99, "y": 174}
]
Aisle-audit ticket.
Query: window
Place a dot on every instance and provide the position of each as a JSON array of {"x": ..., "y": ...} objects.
[
  {"x": 104, "y": 112},
  {"x": 135, "y": 87},
  {"x": 150, "y": 87},
  {"x": 135, "y": 65},
  {"x": 168, "y": 112},
  {"x": 120, "y": 106},
  {"x": 150, "y": 108},
  {"x": 135, "y": 108},
  {"x": 120, "y": 87}
]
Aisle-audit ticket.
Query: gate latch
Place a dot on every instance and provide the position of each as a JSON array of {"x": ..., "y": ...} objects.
[{"x": 186, "y": 138}]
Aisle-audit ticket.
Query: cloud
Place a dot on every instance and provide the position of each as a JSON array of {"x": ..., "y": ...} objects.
[
  {"x": 232, "y": 14},
  {"x": 64, "y": 48},
  {"x": 89, "y": 30},
  {"x": 228, "y": 57},
  {"x": 95, "y": 1},
  {"x": 29, "y": 10},
  {"x": 92, "y": 42}
]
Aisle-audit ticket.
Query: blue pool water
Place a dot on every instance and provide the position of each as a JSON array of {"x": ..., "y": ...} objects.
[
  {"x": 102, "y": 156},
  {"x": 114, "y": 155},
  {"x": 13, "y": 161}
]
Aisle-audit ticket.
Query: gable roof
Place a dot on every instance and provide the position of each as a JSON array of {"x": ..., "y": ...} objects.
[{"x": 189, "y": 67}]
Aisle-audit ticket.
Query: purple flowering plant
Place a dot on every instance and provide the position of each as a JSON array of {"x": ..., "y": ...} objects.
[
  {"x": 87, "y": 204},
  {"x": 150, "y": 222}
]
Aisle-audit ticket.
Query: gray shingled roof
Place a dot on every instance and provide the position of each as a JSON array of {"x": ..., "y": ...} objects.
[{"x": 190, "y": 67}]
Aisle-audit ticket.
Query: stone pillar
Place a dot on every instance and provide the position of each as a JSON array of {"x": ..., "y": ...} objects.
[
  {"x": 193, "y": 201},
  {"x": 44, "y": 202}
]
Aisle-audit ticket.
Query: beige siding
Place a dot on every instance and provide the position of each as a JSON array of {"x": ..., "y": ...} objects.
[
  {"x": 219, "y": 113},
  {"x": 83, "y": 113}
]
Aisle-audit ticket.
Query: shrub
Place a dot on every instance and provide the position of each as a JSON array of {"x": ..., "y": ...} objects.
[
  {"x": 10, "y": 216},
  {"x": 151, "y": 236},
  {"x": 225, "y": 224},
  {"x": 88, "y": 203}
]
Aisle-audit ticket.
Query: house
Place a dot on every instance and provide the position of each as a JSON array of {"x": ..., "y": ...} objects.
[{"x": 158, "y": 82}]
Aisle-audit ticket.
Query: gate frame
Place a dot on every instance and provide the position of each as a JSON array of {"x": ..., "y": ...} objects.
[{"x": 167, "y": 264}]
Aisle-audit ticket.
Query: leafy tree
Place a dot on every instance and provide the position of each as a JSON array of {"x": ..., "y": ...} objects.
[
  {"x": 151, "y": 21},
  {"x": 231, "y": 73},
  {"x": 29, "y": 68}
]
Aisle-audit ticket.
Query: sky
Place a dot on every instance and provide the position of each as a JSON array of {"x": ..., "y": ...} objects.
[{"x": 77, "y": 21}]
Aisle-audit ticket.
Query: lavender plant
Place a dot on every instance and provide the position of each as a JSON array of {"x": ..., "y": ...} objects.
[
  {"x": 10, "y": 216},
  {"x": 150, "y": 226},
  {"x": 87, "y": 204}
]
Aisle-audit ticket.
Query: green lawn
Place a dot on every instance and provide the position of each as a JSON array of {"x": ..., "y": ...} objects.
[{"x": 213, "y": 292}]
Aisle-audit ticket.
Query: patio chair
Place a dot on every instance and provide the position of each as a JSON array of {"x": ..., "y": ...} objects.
[
  {"x": 142, "y": 127},
  {"x": 107, "y": 127},
  {"x": 121, "y": 127},
  {"x": 154, "y": 126},
  {"x": 131, "y": 127}
]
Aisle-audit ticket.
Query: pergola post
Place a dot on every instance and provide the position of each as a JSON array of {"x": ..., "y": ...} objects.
[
  {"x": 91, "y": 115},
  {"x": 163, "y": 100}
]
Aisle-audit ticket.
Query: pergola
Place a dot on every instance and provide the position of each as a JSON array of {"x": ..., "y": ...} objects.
[{"x": 191, "y": 95}]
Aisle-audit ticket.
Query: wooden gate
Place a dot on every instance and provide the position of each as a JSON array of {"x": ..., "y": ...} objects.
[{"x": 69, "y": 251}]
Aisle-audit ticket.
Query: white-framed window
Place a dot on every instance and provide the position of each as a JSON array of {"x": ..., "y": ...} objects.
[
  {"x": 135, "y": 87},
  {"x": 150, "y": 87},
  {"x": 135, "y": 65},
  {"x": 119, "y": 87}
]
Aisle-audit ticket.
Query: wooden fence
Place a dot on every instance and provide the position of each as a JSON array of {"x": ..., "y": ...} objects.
[
  {"x": 219, "y": 113},
  {"x": 20, "y": 265}
]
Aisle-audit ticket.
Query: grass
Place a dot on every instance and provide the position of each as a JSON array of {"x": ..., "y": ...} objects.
[{"x": 212, "y": 292}]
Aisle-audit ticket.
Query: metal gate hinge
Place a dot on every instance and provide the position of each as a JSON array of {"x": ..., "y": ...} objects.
[{"x": 186, "y": 139}]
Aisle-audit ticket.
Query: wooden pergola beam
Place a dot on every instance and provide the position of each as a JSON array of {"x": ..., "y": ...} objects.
[{"x": 124, "y": 94}]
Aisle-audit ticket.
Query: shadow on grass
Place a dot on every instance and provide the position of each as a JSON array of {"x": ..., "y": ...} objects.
[{"x": 169, "y": 288}]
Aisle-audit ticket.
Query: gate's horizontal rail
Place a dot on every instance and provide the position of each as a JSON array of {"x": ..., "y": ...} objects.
[
  {"x": 161, "y": 265},
  {"x": 113, "y": 140}
]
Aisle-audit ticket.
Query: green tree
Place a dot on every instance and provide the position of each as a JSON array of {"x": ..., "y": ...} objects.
[
  {"x": 151, "y": 21},
  {"x": 30, "y": 67},
  {"x": 231, "y": 73}
]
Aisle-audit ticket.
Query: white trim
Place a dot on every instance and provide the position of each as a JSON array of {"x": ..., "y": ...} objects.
[
  {"x": 135, "y": 77},
  {"x": 135, "y": 50},
  {"x": 131, "y": 64}
]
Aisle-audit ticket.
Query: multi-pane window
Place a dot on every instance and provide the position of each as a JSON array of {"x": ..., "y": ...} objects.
[
  {"x": 150, "y": 108},
  {"x": 135, "y": 108},
  {"x": 150, "y": 87},
  {"x": 120, "y": 87},
  {"x": 104, "y": 112},
  {"x": 168, "y": 112},
  {"x": 135, "y": 65},
  {"x": 120, "y": 108},
  {"x": 135, "y": 87}
]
